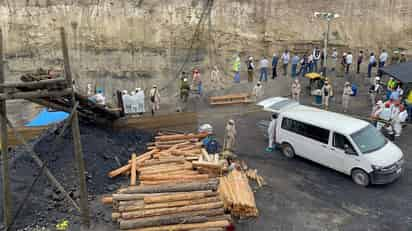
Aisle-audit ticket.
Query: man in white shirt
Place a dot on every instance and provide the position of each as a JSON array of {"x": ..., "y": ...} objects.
[
  {"x": 383, "y": 58},
  {"x": 316, "y": 57},
  {"x": 349, "y": 61},
  {"x": 285, "y": 59}
]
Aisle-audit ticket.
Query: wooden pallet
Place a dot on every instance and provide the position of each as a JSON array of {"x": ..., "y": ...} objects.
[{"x": 230, "y": 99}]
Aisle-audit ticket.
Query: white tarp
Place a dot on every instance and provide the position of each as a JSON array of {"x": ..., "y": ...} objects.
[{"x": 133, "y": 103}]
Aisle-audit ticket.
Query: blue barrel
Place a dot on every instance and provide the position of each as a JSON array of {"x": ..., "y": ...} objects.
[
  {"x": 354, "y": 89},
  {"x": 318, "y": 99}
]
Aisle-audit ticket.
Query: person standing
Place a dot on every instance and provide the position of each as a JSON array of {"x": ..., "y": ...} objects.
[
  {"x": 334, "y": 58},
  {"x": 184, "y": 90},
  {"x": 343, "y": 63},
  {"x": 296, "y": 89},
  {"x": 375, "y": 90},
  {"x": 197, "y": 81},
  {"x": 310, "y": 64},
  {"x": 382, "y": 58},
  {"x": 275, "y": 61},
  {"x": 258, "y": 91},
  {"x": 395, "y": 57},
  {"x": 303, "y": 65},
  {"x": 215, "y": 77},
  {"x": 403, "y": 58},
  {"x": 316, "y": 58},
  {"x": 250, "y": 69},
  {"x": 359, "y": 62},
  {"x": 236, "y": 69},
  {"x": 230, "y": 136},
  {"x": 272, "y": 133},
  {"x": 326, "y": 94},
  {"x": 285, "y": 60},
  {"x": 349, "y": 60},
  {"x": 371, "y": 64},
  {"x": 154, "y": 99},
  {"x": 263, "y": 65},
  {"x": 347, "y": 92},
  {"x": 295, "y": 61}
]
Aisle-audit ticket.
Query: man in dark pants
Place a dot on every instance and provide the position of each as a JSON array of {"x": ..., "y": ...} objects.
[
  {"x": 359, "y": 61},
  {"x": 275, "y": 61}
]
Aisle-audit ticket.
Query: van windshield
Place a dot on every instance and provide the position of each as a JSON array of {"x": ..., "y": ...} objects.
[{"x": 369, "y": 139}]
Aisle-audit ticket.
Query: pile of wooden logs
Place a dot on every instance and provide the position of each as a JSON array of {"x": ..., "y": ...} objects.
[
  {"x": 185, "y": 206},
  {"x": 237, "y": 195},
  {"x": 177, "y": 188}
]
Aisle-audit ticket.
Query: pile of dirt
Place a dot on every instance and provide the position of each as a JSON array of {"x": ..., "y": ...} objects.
[{"x": 103, "y": 150}]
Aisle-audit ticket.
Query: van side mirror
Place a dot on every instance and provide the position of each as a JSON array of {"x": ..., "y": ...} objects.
[{"x": 349, "y": 150}]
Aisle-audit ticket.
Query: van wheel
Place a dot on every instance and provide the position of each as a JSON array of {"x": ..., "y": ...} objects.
[
  {"x": 360, "y": 177},
  {"x": 288, "y": 151}
]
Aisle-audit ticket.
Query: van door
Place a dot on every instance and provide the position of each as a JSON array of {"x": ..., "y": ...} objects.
[{"x": 337, "y": 158}]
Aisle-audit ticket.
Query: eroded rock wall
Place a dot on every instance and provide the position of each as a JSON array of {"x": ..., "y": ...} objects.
[{"x": 123, "y": 44}]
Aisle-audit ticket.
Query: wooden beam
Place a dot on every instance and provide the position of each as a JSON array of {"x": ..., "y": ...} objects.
[
  {"x": 42, "y": 83},
  {"x": 7, "y": 209},
  {"x": 76, "y": 137},
  {"x": 35, "y": 94}
]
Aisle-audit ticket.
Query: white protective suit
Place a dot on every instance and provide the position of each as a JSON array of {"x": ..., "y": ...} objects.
[
  {"x": 400, "y": 118},
  {"x": 230, "y": 137},
  {"x": 272, "y": 132}
]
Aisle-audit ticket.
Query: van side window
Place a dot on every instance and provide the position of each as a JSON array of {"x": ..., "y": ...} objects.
[
  {"x": 339, "y": 141},
  {"x": 307, "y": 130}
]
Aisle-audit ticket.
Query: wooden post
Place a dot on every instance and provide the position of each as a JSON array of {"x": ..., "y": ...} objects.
[
  {"x": 7, "y": 211},
  {"x": 76, "y": 137}
]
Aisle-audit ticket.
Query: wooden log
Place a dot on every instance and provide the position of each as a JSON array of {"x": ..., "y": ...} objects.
[
  {"x": 175, "y": 168},
  {"x": 128, "y": 166},
  {"x": 164, "y": 161},
  {"x": 178, "y": 197},
  {"x": 174, "y": 177},
  {"x": 136, "y": 205},
  {"x": 35, "y": 94},
  {"x": 182, "y": 203},
  {"x": 167, "y": 219},
  {"x": 35, "y": 84},
  {"x": 172, "y": 142},
  {"x": 133, "y": 170},
  {"x": 205, "y": 155},
  {"x": 115, "y": 216},
  {"x": 167, "y": 211},
  {"x": 185, "y": 187},
  {"x": 162, "y": 182},
  {"x": 206, "y": 165},
  {"x": 181, "y": 137},
  {"x": 179, "y": 172},
  {"x": 209, "y": 229},
  {"x": 107, "y": 200},
  {"x": 179, "y": 227}
]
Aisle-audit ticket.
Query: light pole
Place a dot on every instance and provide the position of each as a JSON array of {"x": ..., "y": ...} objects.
[{"x": 328, "y": 16}]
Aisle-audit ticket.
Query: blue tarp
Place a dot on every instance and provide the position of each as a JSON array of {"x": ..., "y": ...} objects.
[{"x": 46, "y": 117}]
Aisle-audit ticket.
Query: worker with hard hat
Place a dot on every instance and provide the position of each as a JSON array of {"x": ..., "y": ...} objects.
[{"x": 230, "y": 136}]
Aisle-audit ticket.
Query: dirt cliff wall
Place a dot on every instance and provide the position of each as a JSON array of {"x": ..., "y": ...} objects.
[{"x": 123, "y": 44}]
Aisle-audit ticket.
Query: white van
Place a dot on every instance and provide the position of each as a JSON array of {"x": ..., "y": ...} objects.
[{"x": 343, "y": 143}]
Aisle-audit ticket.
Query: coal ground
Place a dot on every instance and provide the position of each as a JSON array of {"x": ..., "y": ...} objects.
[{"x": 45, "y": 206}]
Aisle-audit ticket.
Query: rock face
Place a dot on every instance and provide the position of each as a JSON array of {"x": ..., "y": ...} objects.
[{"x": 123, "y": 44}]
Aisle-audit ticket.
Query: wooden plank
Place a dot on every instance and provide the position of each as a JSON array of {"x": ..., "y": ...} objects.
[
  {"x": 172, "y": 120},
  {"x": 133, "y": 171}
]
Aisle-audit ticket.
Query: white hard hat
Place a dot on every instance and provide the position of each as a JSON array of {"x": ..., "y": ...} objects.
[
  {"x": 205, "y": 128},
  {"x": 185, "y": 80},
  {"x": 231, "y": 121},
  {"x": 378, "y": 78},
  {"x": 250, "y": 58}
]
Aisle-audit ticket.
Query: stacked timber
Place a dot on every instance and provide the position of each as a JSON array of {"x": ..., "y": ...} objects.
[
  {"x": 172, "y": 193},
  {"x": 237, "y": 195},
  {"x": 184, "y": 206}
]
